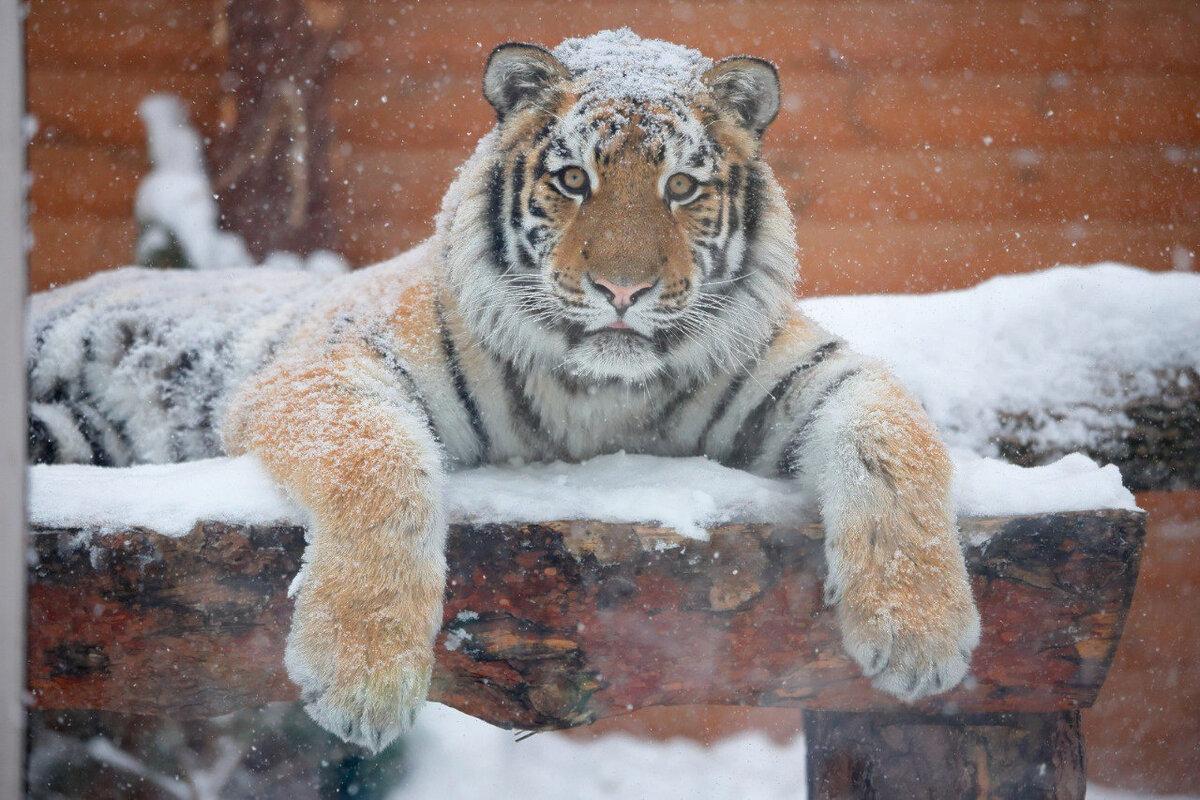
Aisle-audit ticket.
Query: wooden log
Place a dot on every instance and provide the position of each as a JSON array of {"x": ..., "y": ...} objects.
[
  {"x": 936, "y": 756},
  {"x": 1151, "y": 432},
  {"x": 558, "y": 624}
]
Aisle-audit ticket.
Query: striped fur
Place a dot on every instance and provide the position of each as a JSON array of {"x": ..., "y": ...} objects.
[{"x": 501, "y": 338}]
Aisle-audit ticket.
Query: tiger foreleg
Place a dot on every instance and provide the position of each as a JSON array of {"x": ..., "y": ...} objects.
[
  {"x": 895, "y": 566},
  {"x": 357, "y": 453}
]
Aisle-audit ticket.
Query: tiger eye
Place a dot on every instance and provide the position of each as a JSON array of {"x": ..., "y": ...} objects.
[
  {"x": 574, "y": 179},
  {"x": 680, "y": 186}
]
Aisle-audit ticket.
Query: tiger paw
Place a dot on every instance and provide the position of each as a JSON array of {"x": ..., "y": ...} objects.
[
  {"x": 362, "y": 674},
  {"x": 365, "y": 703},
  {"x": 372, "y": 709},
  {"x": 915, "y": 646}
]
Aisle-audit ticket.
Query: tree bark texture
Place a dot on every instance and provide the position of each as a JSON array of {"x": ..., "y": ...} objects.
[
  {"x": 1002, "y": 755},
  {"x": 1151, "y": 431},
  {"x": 270, "y": 162},
  {"x": 558, "y": 624}
]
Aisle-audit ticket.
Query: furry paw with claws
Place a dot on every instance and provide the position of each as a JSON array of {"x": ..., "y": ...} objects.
[
  {"x": 362, "y": 674},
  {"x": 914, "y": 637},
  {"x": 371, "y": 709}
]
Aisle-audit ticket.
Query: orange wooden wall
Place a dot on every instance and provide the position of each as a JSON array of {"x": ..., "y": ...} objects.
[
  {"x": 88, "y": 65},
  {"x": 924, "y": 145}
]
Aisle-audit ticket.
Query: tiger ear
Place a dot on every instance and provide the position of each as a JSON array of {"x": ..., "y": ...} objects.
[
  {"x": 748, "y": 87},
  {"x": 520, "y": 74}
]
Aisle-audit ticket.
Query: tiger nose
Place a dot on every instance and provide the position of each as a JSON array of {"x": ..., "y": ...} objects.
[{"x": 621, "y": 296}]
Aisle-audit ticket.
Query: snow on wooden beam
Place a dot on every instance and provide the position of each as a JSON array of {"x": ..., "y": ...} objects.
[
  {"x": 558, "y": 624},
  {"x": 1103, "y": 360},
  {"x": 1151, "y": 434}
]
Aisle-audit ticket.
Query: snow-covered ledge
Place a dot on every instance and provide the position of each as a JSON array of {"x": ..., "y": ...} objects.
[
  {"x": 556, "y": 571},
  {"x": 686, "y": 495},
  {"x": 1102, "y": 360}
]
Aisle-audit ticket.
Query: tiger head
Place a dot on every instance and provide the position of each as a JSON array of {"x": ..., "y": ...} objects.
[{"x": 618, "y": 224}]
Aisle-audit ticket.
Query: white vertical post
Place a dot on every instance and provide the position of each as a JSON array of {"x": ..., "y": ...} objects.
[{"x": 12, "y": 401}]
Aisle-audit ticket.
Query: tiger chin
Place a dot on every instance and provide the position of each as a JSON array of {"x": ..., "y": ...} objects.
[{"x": 613, "y": 268}]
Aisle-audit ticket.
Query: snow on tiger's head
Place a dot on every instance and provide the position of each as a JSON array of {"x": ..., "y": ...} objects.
[{"x": 618, "y": 224}]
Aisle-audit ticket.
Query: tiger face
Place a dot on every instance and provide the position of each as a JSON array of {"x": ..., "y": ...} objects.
[{"x": 629, "y": 214}]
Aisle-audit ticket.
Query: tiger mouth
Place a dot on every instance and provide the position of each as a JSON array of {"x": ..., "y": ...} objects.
[{"x": 622, "y": 330}]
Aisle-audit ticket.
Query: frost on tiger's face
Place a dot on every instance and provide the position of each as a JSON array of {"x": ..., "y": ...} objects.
[{"x": 625, "y": 207}]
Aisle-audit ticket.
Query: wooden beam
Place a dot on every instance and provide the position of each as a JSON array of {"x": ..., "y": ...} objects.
[
  {"x": 559, "y": 624},
  {"x": 1151, "y": 432},
  {"x": 937, "y": 756}
]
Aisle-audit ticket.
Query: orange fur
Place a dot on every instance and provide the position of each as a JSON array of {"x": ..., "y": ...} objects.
[
  {"x": 369, "y": 602},
  {"x": 414, "y": 322},
  {"x": 625, "y": 233},
  {"x": 905, "y": 589}
]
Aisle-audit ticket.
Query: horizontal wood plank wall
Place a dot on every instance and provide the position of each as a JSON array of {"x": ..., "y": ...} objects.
[
  {"x": 89, "y": 64},
  {"x": 923, "y": 145}
]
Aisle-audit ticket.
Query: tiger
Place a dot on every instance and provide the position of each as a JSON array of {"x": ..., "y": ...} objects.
[{"x": 614, "y": 268}]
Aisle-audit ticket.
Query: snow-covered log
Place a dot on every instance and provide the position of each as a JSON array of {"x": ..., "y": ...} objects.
[
  {"x": 1102, "y": 360},
  {"x": 1155, "y": 442},
  {"x": 558, "y": 624},
  {"x": 135, "y": 606}
]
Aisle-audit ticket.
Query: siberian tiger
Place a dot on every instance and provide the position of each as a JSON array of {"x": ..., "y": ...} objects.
[{"x": 613, "y": 268}]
